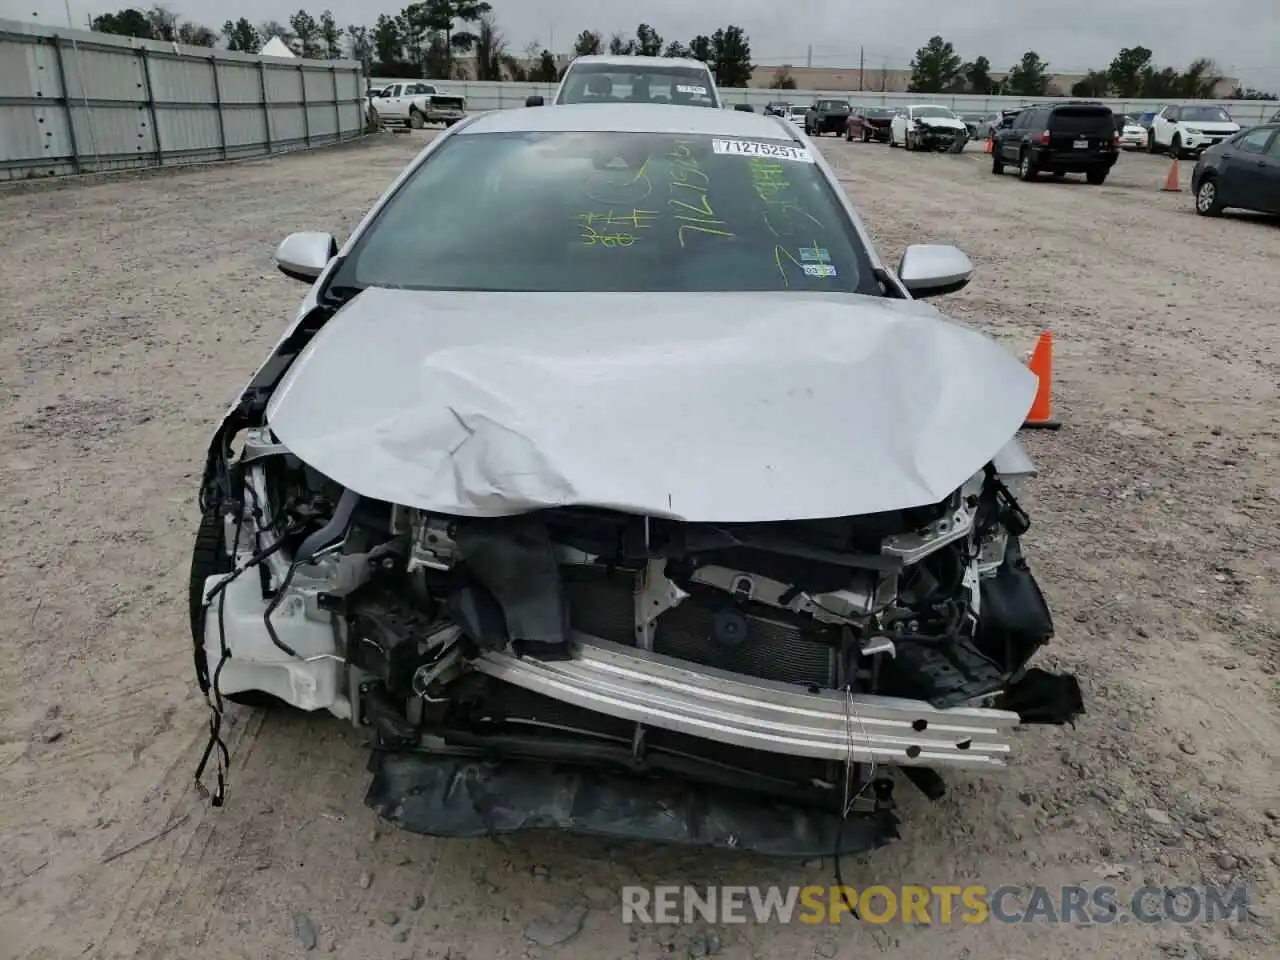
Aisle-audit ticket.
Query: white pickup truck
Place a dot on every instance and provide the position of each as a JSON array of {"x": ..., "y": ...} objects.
[
  {"x": 416, "y": 104},
  {"x": 1179, "y": 130}
]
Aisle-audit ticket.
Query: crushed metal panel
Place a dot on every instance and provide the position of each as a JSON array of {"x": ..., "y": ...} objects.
[
  {"x": 460, "y": 798},
  {"x": 445, "y": 401}
]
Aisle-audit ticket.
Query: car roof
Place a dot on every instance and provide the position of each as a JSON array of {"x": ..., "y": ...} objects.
[
  {"x": 622, "y": 60},
  {"x": 634, "y": 118}
]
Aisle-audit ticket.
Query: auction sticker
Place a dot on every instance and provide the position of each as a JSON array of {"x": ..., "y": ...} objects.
[
  {"x": 690, "y": 88},
  {"x": 756, "y": 148}
]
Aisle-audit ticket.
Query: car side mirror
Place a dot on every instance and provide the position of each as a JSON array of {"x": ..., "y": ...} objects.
[
  {"x": 303, "y": 256},
  {"x": 534, "y": 101},
  {"x": 932, "y": 270}
]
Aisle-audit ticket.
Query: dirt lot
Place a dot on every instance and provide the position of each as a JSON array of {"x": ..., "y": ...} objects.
[{"x": 134, "y": 310}]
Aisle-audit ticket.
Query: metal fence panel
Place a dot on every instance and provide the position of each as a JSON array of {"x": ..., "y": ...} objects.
[
  {"x": 502, "y": 96},
  {"x": 72, "y": 101}
]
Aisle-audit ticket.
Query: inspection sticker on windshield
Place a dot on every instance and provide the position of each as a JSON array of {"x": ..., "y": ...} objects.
[
  {"x": 690, "y": 88},
  {"x": 819, "y": 270},
  {"x": 755, "y": 148}
]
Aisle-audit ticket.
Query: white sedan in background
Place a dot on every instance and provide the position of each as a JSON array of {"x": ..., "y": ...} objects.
[
  {"x": 1133, "y": 135},
  {"x": 927, "y": 127}
]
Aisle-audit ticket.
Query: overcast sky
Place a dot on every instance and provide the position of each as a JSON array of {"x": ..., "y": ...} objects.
[{"x": 1242, "y": 35}]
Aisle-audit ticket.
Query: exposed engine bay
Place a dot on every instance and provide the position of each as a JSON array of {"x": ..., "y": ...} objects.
[
  {"x": 509, "y": 666},
  {"x": 939, "y": 137}
]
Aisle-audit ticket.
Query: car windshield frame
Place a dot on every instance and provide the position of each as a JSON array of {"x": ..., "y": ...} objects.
[
  {"x": 797, "y": 238},
  {"x": 1223, "y": 116},
  {"x": 829, "y": 105},
  {"x": 665, "y": 76},
  {"x": 934, "y": 112}
]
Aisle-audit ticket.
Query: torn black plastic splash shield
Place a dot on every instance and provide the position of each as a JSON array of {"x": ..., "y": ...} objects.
[{"x": 443, "y": 796}]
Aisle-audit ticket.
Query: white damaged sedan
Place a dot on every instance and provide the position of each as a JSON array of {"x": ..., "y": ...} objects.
[{"x": 610, "y": 479}]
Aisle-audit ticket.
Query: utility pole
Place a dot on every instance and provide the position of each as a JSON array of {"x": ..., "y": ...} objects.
[
  {"x": 861, "y": 63},
  {"x": 809, "y": 59}
]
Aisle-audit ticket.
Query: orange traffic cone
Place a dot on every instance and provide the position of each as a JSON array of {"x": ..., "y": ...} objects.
[
  {"x": 1040, "y": 416},
  {"x": 1171, "y": 184},
  {"x": 990, "y": 145}
]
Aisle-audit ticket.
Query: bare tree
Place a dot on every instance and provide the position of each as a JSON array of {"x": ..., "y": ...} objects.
[{"x": 490, "y": 48}]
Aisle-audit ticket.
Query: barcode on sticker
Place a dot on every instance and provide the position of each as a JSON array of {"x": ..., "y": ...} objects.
[
  {"x": 755, "y": 148},
  {"x": 690, "y": 88}
]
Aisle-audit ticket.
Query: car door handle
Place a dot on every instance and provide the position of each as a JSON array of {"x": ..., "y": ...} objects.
[{"x": 1261, "y": 163}]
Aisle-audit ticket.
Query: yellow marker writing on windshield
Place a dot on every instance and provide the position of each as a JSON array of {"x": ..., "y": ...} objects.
[
  {"x": 631, "y": 188},
  {"x": 782, "y": 214},
  {"x": 780, "y": 254},
  {"x": 600, "y": 228},
  {"x": 690, "y": 205},
  {"x": 592, "y": 237}
]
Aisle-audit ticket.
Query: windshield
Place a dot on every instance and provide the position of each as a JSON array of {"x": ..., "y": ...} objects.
[
  {"x": 606, "y": 83},
  {"x": 1206, "y": 114},
  {"x": 612, "y": 212},
  {"x": 833, "y": 106},
  {"x": 878, "y": 112},
  {"x": 796, "y": 111},
  {"x": 932, "y": 112}
]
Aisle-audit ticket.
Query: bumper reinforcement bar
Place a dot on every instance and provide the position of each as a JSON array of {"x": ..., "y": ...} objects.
[{"x": 765, "y": 715}]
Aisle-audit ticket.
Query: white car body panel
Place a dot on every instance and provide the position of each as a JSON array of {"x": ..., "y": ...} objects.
[{"x": 699, "y": 407}]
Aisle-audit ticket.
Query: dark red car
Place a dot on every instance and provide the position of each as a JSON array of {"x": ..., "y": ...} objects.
[{"x": 869, "y": 123}]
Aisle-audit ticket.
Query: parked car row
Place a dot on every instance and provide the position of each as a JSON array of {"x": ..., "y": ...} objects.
[
  {"x": 1236, "y": 169},
  {"x": 1239, "y": 169}
]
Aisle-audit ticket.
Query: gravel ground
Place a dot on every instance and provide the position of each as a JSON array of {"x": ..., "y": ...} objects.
[{"x": 135, "y": 309}]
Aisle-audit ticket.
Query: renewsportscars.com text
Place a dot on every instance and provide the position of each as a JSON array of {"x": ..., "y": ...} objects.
[{"x": 937, "y": 904}]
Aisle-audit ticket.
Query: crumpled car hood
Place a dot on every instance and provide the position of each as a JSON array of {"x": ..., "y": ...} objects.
[
  {"x": 943, "y": 123},
  {"x": 707, "y": 407}
]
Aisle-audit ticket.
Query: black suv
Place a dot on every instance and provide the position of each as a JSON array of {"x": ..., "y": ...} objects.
[{"x": 1062, "y": 138}]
